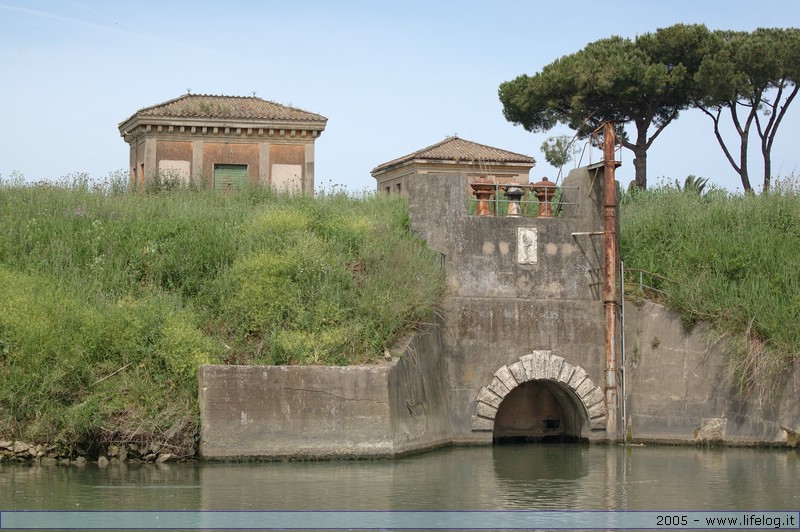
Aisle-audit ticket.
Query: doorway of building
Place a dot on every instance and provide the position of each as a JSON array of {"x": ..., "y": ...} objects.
[{"x": 229, "y": 177}]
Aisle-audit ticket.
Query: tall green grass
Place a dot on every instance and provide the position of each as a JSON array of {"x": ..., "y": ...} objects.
[
  {"x": 110, "y": 301},
  {"x": 734, "y": 260}
]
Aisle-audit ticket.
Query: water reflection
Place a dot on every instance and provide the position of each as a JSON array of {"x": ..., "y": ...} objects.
[
  {"x": 539, "y": 476},
  {"x": 533, "y": 476},
  {"x": 529, "y": 463},
  {"x": 712, "y": 479}
]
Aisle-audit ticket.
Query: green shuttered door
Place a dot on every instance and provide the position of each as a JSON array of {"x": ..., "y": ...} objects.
[{"x": 229, "y": 176}]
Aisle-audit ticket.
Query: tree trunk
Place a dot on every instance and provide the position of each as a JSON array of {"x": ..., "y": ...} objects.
[
  {"x": 748, "y": 188},
  {"x": 640, "y": 166},
  {"x": 767, "y": 169},
  {"x": 743, "y": 133},
  {"x": 776, "y": 112},
  {"x": 639, "y": 152}
]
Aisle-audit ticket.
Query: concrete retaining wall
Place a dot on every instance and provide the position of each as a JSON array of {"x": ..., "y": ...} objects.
[
  {"x": 377, "y": 411},
  {"x": 680, "y": 388}
]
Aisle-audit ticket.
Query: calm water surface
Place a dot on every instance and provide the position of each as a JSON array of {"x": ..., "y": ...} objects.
[{"x": 480, "y": 478}]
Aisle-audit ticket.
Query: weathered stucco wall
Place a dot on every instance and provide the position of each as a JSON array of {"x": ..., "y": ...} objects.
[
  {"x": 284, "y": 411},
  {"x": 417, "y": 398},
  {"x": 680, "y": 387},
  {"x": 502, "y": 305}
]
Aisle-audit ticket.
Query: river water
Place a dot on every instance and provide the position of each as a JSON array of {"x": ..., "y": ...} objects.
[{"x": 508, "y": 477}]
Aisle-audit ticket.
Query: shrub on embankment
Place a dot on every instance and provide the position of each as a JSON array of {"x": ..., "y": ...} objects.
[
  {"x": 109, "y": 301},
  {"x": 732, "y": 260}
]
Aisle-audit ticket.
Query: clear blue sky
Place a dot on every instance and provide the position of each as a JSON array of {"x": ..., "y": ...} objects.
[{"x": 391, "y": 76}]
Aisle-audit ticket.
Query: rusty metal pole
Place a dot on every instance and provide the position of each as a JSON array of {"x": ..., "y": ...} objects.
[{"x": 609, "y": 288}]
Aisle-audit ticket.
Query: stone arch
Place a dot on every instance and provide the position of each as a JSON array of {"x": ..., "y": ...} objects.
[{"x": 540, "y": 365}]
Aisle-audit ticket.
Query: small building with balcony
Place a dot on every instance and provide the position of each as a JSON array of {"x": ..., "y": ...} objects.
[{"x": 454, "y": 155}]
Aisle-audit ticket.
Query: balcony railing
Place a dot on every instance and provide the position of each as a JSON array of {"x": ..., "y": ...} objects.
[{"x": 531, "y": 200}]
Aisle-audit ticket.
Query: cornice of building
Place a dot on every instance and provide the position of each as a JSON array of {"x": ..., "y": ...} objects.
[
  {"x": 477, "y": 166},
  {"x": 136, "y": 127}
]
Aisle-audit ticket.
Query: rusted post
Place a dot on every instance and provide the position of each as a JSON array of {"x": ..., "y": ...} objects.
[{"x": 609, "y": 287}]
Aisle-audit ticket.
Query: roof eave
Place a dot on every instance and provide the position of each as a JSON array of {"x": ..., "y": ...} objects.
[
  {"x": 302, "y": 125},
  {"x": 394, "y": 165}
]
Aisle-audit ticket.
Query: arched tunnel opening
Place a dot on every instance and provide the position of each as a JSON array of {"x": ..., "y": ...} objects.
[{"x": 541, "y": 411}]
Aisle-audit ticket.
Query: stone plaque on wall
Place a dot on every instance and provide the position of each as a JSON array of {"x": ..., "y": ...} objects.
[{"x": 526, "y": 245}]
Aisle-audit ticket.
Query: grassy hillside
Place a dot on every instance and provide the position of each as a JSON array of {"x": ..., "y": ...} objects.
[
  {"x": 731, "y": 260},
  {"x": 109, "y": 301}
]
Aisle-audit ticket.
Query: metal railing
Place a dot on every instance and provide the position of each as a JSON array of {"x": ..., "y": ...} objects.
[
  {"x": 502, "y": 200},
  {"x": 636, "y": 278}
]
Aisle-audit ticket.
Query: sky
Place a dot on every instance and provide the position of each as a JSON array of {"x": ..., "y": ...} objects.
[{"x": 392, "y": 77}]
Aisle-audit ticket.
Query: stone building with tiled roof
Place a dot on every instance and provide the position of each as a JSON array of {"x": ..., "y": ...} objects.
[
  {"x": 454, "y": 155},
  {"x": 223, "y": 142}
]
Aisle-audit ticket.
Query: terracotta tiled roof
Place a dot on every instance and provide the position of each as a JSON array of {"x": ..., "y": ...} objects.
[
  {"x": 460, "y": 150},
  {"x": 232, "y": 107}
]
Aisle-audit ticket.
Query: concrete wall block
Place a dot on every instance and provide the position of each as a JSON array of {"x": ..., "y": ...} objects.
[
  {"x": 597, "y": 410},
  {"x": 528, "y": 365},
  {"x": 486, "y": 396},
  {"x": 541, "y": 363},
  {"x": 598, "y": 423},
  {"x": 507, "y": 378},
  {"x": 555, "y": 367},
  {"x": 577, "y": 378},
  {"x": 517, "y": 369},
  {"x": 565, "y": 375},
  {"x": 585, "y": 388},
  {"x": 594, "y": 397},
  {"x": 789, "y": 412},
  {"x": 482, "y": 424},
  {"x": 276, "y": 410},
  {"x": 485, "y": 410},
  {"x": 498, "y": 387}
]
